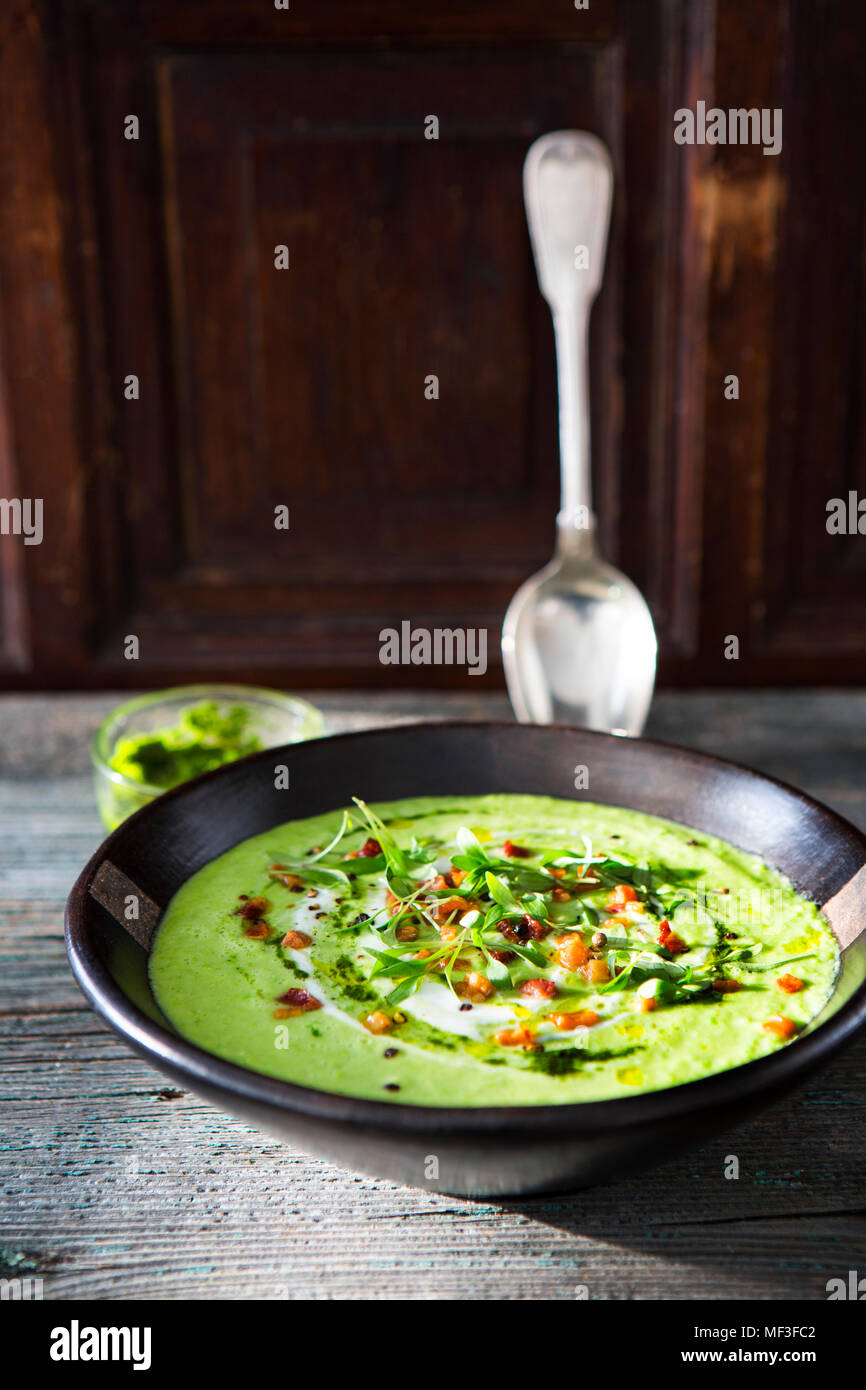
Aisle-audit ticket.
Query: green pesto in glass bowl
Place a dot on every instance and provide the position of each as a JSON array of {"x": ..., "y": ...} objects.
[{"x": 160, "y": 740}]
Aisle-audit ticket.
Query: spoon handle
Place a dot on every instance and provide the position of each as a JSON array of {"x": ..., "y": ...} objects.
[{"x": 567, "y": 189}]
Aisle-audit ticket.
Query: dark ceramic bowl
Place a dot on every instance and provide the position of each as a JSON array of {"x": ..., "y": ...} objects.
[{"x": 482, "y": 1151}]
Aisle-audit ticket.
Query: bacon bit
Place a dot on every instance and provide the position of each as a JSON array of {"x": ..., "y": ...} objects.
[
  {"x": 727, "y": 986},
  {"x": 406, "y": 932},
  {"x": 377, "y": 1022},
  {"x": 561, "y": 895},
  {"x": 791, "y": 984},
  {"x": 257, "y": 931},
  {"x": 291, "y": 881},
  {"x": 476, "y": 988},
  {"x": 557, "y": 873},
  {"x": 780, "y": 1025},
  {"x": 516, "y": 1037},
  {"x": 392, "y": 903},
  {"x": 370, "y": 849},
  {"x": 443, "y": 909},
  {"x": 448, "y": 931},
  {"x": 504, "y": 957},
  {"x": 253, "y": 909},
  {"x": 514, "y": 851},
  {"x": 571, "y": 951},
  {"x": 523, "y": 930},
  {"x": 648, "y": 1005},
  {"x": 299, "y": 998},
  {"x": 595, "y": 972},
  {"x": 452, "y": 879},
  {"x": 668, "y": 938},
  {"x": 296, "y": 940},
  {"x": 423, "y": 954},
  {"x": 623, "y": 893},
  {"x": 297, "y": 1001},
  {"x": 584, "y": 1018},
  {"x": 539, "y": 988}
]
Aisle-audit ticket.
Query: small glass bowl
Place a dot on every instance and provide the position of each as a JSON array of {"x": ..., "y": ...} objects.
[{"x": 276, "y": 719}]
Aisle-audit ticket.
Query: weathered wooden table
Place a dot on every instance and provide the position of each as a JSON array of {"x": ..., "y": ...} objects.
[{"x": 115, "y": 1185}]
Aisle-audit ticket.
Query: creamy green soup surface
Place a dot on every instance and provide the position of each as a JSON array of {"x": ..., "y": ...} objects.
[{"x": 490, "y": 950}]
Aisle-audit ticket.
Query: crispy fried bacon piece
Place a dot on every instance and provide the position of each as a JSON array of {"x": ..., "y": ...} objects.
[
  {"x": 299, "y": 999},
  {"x": 442, "y": 909},
  {"x": 296, "y": 940},
  {"x": 257, "y": 931},
  {"x": 669, "y": 939},
  {"x": 583, "y": 1018},
  {"x": 571, "y": 951},
  {"x": 253, "y": 909},
  {"x": 514, "y": 851},
  {"x": 791, "y": 984},
  {"x": 476, "y": 987},
  {"x": 370, "y": 849},
  {"x": 452, "y": 879},
  {"x": 293, "y": 882},
  {"x": 622, "y": 894},
  {"x": 539, "y": 988},
  {"x": 516, "y": 1037},
  {"x": 523, "y": 930},
  {"x": 595, "y": 972},
  {"x": 783, "y": 1027},
  {"x": 295, "y": 1002}
]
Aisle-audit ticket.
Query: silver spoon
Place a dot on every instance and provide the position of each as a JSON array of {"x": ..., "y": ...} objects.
[{"x": 578, "y": 642}]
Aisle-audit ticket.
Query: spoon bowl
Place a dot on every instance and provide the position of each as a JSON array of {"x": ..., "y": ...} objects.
[{"x": 579, "y": 647}]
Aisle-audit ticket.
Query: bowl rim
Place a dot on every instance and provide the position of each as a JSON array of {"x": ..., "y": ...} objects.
[
  {"x": 202, "y": 1069},
  {"x": 310, "y": 713}
]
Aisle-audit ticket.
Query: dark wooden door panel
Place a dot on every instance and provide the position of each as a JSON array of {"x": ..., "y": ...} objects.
[
  {"x": 408, "y": 259},
  {"x": 306, "y": 387}
]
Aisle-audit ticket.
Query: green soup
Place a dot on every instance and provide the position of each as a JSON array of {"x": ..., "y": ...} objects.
[{"x": 494, "y": 950}]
